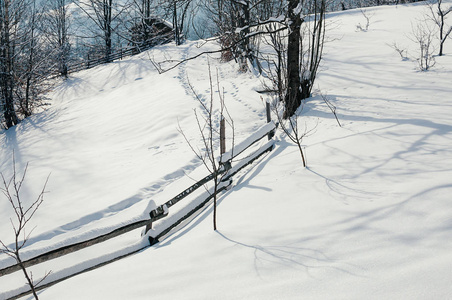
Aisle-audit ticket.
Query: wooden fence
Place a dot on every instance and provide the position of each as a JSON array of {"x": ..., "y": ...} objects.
[
  {"x": 227, "y": 170},
  {"x": 120, "y": 54}
]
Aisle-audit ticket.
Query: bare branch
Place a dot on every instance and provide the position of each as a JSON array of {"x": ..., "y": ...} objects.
[
  {"x": 208, "y": 136},
  {"x": 331, "y": 107},
  {"x": 23, "y": 217},
  {"x": 230, "y": 47}
]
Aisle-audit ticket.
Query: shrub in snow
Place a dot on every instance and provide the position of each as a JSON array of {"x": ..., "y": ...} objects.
[{"x": 423, "y": 34}]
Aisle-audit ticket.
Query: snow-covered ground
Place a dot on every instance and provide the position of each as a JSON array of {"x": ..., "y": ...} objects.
[{"x": 371, "y": 217}]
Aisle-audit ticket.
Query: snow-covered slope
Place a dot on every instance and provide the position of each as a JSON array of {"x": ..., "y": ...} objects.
[{"x": 370, "y": 218}]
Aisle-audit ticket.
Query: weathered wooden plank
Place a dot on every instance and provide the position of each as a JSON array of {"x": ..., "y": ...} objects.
[
  {"x": 74, "y": 247},
  {"x": 239, "y": 148},
  {"x": 49, "y": 284},
  {"x": 266, "y": 148},
  {"x": 195, "y": 186},
  {"x": 154, "y": 240}
]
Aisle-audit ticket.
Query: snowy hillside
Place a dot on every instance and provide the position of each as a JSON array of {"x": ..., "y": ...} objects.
[{"x": 370, "y": 218}]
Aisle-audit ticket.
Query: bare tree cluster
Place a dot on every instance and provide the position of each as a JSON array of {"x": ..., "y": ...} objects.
[
  {"x": 24, "y": 60},
  {"x": 236, "y": 22},
  {"x": 40, "y": 39},
  {"x": 55, "y": 27},
  {"x": 430, "y": 34},
  {"x": 105, "y": 19},
  {"x": 295, "y": 32}
]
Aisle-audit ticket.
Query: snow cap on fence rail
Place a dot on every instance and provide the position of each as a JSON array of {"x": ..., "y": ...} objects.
[{"x": 239, "y": 148}]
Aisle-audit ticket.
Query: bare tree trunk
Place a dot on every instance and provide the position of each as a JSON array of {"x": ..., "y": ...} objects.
[
  {"x": 107, "y": 27},
  {"x": 439, "y": 15},
  {"x": 27, "y": 276},
  {"x": 442, "y": 34},
  {"x": 145, "y": 19},
  {"x": 25, "y": 103},
  {"x": 63, "y": 40},
  {"x": 176, "y": 24},
  {"x": 178, "y": 10},
  {"x": 293, "y": 96},
  {"x": 6, "y": 64}
]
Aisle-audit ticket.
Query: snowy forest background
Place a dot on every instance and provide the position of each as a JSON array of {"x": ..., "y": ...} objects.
[{"x": 42, "y": 39}]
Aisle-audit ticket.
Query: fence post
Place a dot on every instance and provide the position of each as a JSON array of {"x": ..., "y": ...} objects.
[
  {"x": 222, "y": 136},
  {"x": 269, "y": 118}
]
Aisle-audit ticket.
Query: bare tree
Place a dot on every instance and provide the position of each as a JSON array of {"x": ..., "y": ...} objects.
[
  {"x": 224, "y": 20},
  {"x": 106, "y": 16},
  {"x": 294, "y": 69},
  {"x": 331, "y": 106},
  {"x": 236, "y": 22},
  {"x": 422, "y": 34},
  {"x": 177, "y": 10},
  {"x": 366, "y": 16},
  {"x": 438, "y": 15},
  {"x": 29, "y": 63},
  {"x": 140, "y": 19},
  {"x": 23, "y": 60},
  {"x": 293, "y": 95},
  {"x": 276, "y": 61},
  {"x": 33, "y": 64},
  {"x": 23, "y": 214},
  {"x": 56, "y": 24},
  {"x": 209, "y": 136}
]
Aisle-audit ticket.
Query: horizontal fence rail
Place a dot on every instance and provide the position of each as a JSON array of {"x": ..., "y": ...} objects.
[{"x": 73, "y": 247}]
